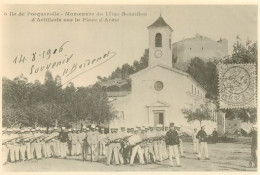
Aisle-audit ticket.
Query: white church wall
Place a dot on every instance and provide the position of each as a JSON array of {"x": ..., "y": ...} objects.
[{"x": 143, "y": 92}]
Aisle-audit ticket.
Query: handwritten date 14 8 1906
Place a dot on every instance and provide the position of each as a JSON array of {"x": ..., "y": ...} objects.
[{"x": 45, "y": 54}]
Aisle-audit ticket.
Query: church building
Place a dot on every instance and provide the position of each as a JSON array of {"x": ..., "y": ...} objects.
[{"x": 160, "y": 92}]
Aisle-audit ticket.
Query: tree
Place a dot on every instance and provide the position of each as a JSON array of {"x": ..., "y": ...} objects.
[
  {"x": 206, "y": 75},
  {"x": 244, "y": 53},
  {"x": 197, "y": 70},
  {"x": 15, "y": 98},
  {"x": 200, "y": 114},
  {"x": 88, "y": 105},
  {"x": 50, "y": 112},
  {"x": 126, "y": 70}
]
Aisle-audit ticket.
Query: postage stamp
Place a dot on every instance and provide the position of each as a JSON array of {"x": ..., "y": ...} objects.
[{"x": 237, "y": 85}]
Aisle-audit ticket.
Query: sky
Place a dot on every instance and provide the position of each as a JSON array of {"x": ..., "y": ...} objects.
[{"x": 126, "y": 39}]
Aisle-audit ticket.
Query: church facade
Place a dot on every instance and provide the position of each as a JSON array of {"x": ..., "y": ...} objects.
[{"x": 160, "y": 92}]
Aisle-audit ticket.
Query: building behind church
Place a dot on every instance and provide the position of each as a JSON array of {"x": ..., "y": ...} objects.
[
  {"x": 160, "y": 92},
  {"x": 199, "y": 46}
]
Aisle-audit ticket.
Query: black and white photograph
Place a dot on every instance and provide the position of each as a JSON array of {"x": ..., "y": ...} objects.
[{"x": 129, "y": 88}]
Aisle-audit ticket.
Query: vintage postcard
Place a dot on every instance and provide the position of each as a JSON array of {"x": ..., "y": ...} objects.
[{"x": 151, "y": 87}]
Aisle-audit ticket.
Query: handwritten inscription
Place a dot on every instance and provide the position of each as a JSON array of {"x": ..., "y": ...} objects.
[{"x": 70, "y": 69}]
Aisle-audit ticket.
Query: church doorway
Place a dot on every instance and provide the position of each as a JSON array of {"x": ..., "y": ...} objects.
[{"x": 158, "y": 117}]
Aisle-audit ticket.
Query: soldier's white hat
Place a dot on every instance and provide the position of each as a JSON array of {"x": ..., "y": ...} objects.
[
  {"x": 97, "y": 127},
  {"x": 55, "y": 128},
  {"x": 9, "y": 130},
  {"x": 87, "y": 129},
  {"x": 32, "y": 130},
  {"x": 254, "y": 126},
  {"x": 63, "y": 128},
  {"x": 102, "y": 129},
  {"x": 70, "y": 130},
  {"x": 84, "y": 127},
  {"x": 74, "y": 129},
  {"x": 93, "y": 126}
]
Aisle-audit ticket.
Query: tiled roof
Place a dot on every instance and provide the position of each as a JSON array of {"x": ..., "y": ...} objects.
[
  {"x": 118, "y": 94},
  {"x": 160, "y": 23},
  {"x": 114, "y": 82}
]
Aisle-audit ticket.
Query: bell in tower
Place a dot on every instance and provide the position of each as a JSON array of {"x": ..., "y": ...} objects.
[{"x": 160, "y": 51}]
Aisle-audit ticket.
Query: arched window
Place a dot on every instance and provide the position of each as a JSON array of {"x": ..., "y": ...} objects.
[{"x": 158, "y": 40}]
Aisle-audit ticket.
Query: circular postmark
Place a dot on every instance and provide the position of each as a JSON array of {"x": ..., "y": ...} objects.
[
  {"x": 237, "y": 86},
  {"x": 236, "y": 80}
]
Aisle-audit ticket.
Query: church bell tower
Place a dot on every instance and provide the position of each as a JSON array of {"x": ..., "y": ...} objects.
[{"x": 160, "y": 46}]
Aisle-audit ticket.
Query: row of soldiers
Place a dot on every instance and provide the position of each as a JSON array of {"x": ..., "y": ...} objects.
[
  {"x": 144, "y": 145},
  {"x": 122, "y": 145},
  {"x": 29, "y": 143}
]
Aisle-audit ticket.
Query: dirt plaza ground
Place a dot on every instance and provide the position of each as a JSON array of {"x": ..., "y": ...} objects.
[{"x": 223, "y": 157}]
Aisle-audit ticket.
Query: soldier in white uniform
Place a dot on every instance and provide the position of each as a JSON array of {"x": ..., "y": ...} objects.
[
  {"x": 43, "y": 143},
  {"x": 28, "y": 143},
  {"x": 203, "y": 140},
  {"x": 180, "y": 147},
  {"x": 37, "y": 141},
  {"x": 74, "y": 141},
  {"x": 112, "y": 149},
  {"x": 48, "y": 143},
  {"x": 16, "y": 145},
  {"x": 6, "y": 146},
  {"x": 78, "y": 146},
  {"x": 118, "y": 145},
  {"x": 83, "y": 142},
  {"x": 98, "y": 135},
  {"x": 150, "y": 135},
  {"x": 69, "y": 142},
  {"x": 11, "y": 145},
  {"x": 158, "y": 145},
  {"x": 102, "y": 143},
  {"x": 22, "y": 145},
  {"x": 135, "y": 141},
  {"x": 92, "y": 139},
  {"x": 144, "y": 144},
  {"x": 195, "y": 141},
  {"x": 33, "y": 145},
  {"x": 56, "y": 143}
]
